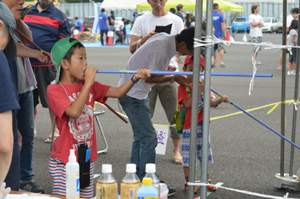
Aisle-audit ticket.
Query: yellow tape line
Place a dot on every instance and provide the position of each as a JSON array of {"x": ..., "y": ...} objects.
[{"x": 275, "y": 105}]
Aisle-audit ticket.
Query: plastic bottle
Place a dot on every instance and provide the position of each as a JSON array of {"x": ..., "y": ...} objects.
[
  {"x": 147, "y": 190},
  {"x": 107, "y": 187},
  {"x": 151, "y": 173},
  {"x": 130, "y": 183},
  {"x": 72, "y": 177}
]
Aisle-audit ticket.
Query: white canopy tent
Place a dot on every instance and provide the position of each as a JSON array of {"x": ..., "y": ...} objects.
[{"x": 121, "y": 4}]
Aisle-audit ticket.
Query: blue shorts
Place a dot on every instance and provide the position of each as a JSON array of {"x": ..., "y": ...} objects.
[{"x": 185, "y": 146}]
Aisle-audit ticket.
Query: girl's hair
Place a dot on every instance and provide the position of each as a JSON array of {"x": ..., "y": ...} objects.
[
  {"x": 253, "y": 8},
  {"x": 294, "y": 25},
  {"x": 72, "y": 49}
]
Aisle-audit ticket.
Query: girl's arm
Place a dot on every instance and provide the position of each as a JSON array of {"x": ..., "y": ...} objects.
[
  {"x": 214, "y": 103},
  {"x": 118, "y": 92},
  {"x": 187, "y": 102},
  {"x": 293, "y": 39},
  {"x": 75, "y": 109}
]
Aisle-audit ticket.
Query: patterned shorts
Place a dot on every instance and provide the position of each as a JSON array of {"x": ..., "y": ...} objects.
[
  {"x": 256, "y": 40},
  {"x": 185, "y": 146},
  {"x": 57, "y": 170}
]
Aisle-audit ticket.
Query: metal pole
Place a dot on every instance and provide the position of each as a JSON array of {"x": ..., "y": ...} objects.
[
  {"x": 195, "y": 96},
  {"x": 295, "y": 100},
  {"x": 206, "y": 108},
  {"x": 283, "y": 83}
]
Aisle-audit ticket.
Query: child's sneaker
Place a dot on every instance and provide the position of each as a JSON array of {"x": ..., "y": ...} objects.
[
  {"x": 210, "y": 187},
  {"x": 289, "y": 73},
  {"x": 293, "y": 73}
]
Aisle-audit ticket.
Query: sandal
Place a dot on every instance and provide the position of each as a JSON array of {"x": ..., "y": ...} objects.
[
  {"x": 177, "y": 160},
  {"x": 49, "y": 139},
  {"x": 210, "y": 187},
  {"x": 186, "y": 188}
]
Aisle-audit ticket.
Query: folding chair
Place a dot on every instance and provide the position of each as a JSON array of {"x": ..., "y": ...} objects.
[{"x": 96, "y": 115}]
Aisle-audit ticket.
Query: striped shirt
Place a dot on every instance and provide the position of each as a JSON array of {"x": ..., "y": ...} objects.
[{"x": 47, "y": 28}]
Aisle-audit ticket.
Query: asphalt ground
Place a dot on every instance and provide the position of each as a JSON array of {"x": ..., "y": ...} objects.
[{"x": 246, "y": 154}]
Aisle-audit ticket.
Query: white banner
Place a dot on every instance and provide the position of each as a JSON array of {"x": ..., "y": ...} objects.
[
  {"x": 162, "y": 133},
  {"x": 96, "y": 28}
]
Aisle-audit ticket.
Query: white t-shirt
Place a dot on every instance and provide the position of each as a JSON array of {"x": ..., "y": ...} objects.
[
  {"x": 255, "y": 31},
  {"x": 118, "y": 24},
  {"x": 147, "y": 22},
  {"x": 154, "y": 54},
  {"x": 289, "y": 20}
]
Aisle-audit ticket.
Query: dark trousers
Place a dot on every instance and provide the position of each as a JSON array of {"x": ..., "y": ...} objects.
[
  {"x": 102, "y": 32},
  {"x": 120, "y": 37}
]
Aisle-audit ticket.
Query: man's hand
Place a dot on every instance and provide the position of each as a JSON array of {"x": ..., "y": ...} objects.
[
  {"x": 44, "y": 57},
  {"x": 171, "y": 68},
  {"x": 182, "y": 80}
]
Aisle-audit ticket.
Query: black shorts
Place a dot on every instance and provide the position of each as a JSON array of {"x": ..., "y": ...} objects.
[{"x": 44, "y": 76}]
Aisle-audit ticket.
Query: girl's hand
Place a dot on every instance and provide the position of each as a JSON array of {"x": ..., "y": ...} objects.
[
  {"x": 224, "y": 99},
  {"x": 89, "y": 75},
  {"x": 142, "y": 74}
]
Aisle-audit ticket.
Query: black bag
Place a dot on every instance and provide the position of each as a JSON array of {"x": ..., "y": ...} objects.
[{"x": 84, "y": 165}]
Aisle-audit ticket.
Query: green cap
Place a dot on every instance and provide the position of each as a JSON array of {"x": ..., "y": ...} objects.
[{"x": 59, "y": 51}]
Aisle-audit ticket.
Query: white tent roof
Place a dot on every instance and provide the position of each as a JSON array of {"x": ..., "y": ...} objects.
[{"x": 121, "y": 4}]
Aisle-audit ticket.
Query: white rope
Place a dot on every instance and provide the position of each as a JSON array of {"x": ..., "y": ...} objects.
[
  {"x": 212, "y": 40},
  {"x": 241, "y": 191},
  {"x": 295, "y": 104}
]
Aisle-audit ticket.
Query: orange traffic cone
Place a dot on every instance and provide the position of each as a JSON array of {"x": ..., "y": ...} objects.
[
  {"x": 227, "y": 36},
  {"x": 75, "y": 34},
  {"x": 110, "y": 38}
]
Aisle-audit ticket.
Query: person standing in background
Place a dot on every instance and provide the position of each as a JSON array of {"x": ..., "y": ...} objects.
[
  {"x": 128, "y": 30},
  {"x": 172, "y": 10},
  {"x": 118, "y": 28},
  {"x": 104, "y": 25},
  {"x": 256, "y": 24},
  {"x": 293, "y": 15},
  {"x": 77, "y": 24},
  {"x": 45, "y": 36},
  {"x": 219, "y": 25},
  {"x": 179, "y": 12}
]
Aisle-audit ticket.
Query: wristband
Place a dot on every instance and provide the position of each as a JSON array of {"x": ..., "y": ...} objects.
[
  {"x": 138, "y": 44},
  {"x": 133, "y": 79}
]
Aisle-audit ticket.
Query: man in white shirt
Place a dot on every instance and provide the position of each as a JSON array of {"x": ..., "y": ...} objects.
[
  {"x": 142, "y": 30},
  {"x": 256, "y": 24},
  {"x": 118, "y": 27},
  {"x": 154, "y": 54}
]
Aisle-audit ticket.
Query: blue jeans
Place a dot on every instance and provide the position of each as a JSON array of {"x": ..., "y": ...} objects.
[
  {"x": 26, "y": 128},
  {"x": 144, "y": 134}
]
